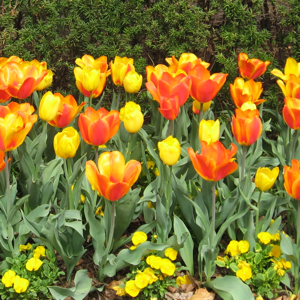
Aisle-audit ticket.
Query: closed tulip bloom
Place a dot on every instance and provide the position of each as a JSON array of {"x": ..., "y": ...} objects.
[
  {"x": 291, "y": 67},
  {"x": 251, "y": 68},
  {"x": 112, "y": 178},
  {"x": 292, "y": 179},
  {"x": 246, "y": 126},
  {"x": 66, "y": 143},
  {"x": 49, "y": 106},
  {"x": 209, "y": 131},
  {"x": 215, "y": 161},
  {"x": 291, "y": 112},
  {"x": 47, "y": 80},
  {"x": 97, "y": 127},
  {"x": 20, "y": 284},
  {"x": 265, "y": 178},
  {"x": 16, "y": 120},
  {"x": 119, "y": 68},
  {"x": 205, "y": 86},
  {"x": 68, "y": 110},
  {"x": 169, "y": 150},
  {"x": 132, "y": 82},
  {"x": 197, "y": 107},
  {"x": 132, "y": 117},
  {"x": 90, "y": 79},
  {"x": 246, "y": 91}
]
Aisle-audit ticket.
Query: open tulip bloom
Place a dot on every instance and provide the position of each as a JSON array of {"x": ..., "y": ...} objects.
[{"x": 291, "y": 67}]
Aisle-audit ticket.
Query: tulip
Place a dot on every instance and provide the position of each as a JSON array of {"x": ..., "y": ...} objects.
[
  {"x": 169, "y": 150},
  {"x": 113, "y": 178},
  {"x": 265, "y": 178},
  {"x": 249, "y": 91},
  {"x": 251, "y": 68},
  {"x": 68, "y": 110},
  {"x": 158, "y": 70},
  {"x": 132, "y": 117},
  {"x": 246, "y": 125},
  {"x": 205, "y": 86},
  {"x": 47, "y": 81},
  {"x": 291, "y": 67},
  {"x": 215, "y": 162},
  {"x": 16, "y": 120},
  {"x": 119, "y": 68},
  {"x": 132, "y": 82},
  {"x": 49, "y": 106},
  {"x": 13, "y": 58},
  {"x": 66, "y": 143},
  {"x": 291, "y": 112},
  {"x": 87, "y": 61},
  {"x": 292, "y": 179},
  {"x": 197, "y": 107},
  {"x": 2, "y": 161},
  {"x": 209, "y": 131},
  {"x": 4, "y": 95},
  {"x": 292, "y": 86},
  {"x": 97, "y": 127}
]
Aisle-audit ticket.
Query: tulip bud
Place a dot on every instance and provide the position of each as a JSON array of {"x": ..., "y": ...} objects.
[
  {"x": 169, "y": 150},
  {"x": 197, "y": 106},
  {"x": 91, "y": 79},
  {"x": 132, "y": 82},
  {"x": 265, "y": 178},
  {"x": 66, "y": 143},
  {"x": 132, "y": 117},
  {"x": 248, "y": 105},
  {"x": 49, "y": 106},
  {"x": 46, "y": 82},
  {"x": 209, "y": 131}
]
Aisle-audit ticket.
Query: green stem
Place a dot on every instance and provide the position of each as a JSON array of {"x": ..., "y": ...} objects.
[
  {"x": 169, "y": 192},
  {"x": 7, "y": 183},
  {"x": 112, "y": 228},
  {"x": 257, "y": 214},
  {"x": 91, "y": 99},
  {"x": 243, "y": 161},
  {"x": 67, "y": 170},
  {"x": 170, "y": 130},
  {"x": 96, "y": 155},
  {"x": 298, "y": 225},
  {"x": 200, "y": 113},
  {"x": 128, "y": 153},
  {"x": 295, "y": 138},
  {"x": 118, "y": 99}
]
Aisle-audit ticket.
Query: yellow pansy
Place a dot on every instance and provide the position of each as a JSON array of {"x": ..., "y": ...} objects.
[
  {"x": 264, "y": 237},
  {"x": 171, "y": 253}
]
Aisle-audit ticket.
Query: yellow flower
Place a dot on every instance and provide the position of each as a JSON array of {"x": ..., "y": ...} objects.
[
  {"x": 276, "y": 251},
  {"x": 132, "y": 82},
  {"x": 183, "y": 280},
  {"x": 132, "y": 247},
  {"x": 220, "y": 258},
  {"x": 248, "y": 105},
  {"x": 244, "y": 272},
  {"x": 20, "y": 284},
  {"x": 49, "y": 107},
  {"x": 132, "y": 117},
  {"x": 209, "y": 131},
  {"x": 243, "y": 246},
  {"x": 287, "y": 264},
  {"x": 265, "y": 178},
  {"x": 142, "y": 280},
  {"x": 150, "y": 205},
  {"x": 33, "y": 264},
  {"x": 264, "y": 237},
  {"x": 154, "y": 261},
  {"x": 155, "y": 236},
  {"x": 39, "y": 251},
  {"x": 82, "y": 198},
  {"x": 197, "y": 106},
  {"x": 139, "y": 237},
  {"x": 275, "y": 237},
  {"x": 99, "y": 211},
  {"x": 169, "y": 150},
  {"x": 171, "y": 253},
  {"x": 280, "y": 272},
  {"x": 233, "y": 248},
  {"x": 25, "y": 247},
  {"x": 259, "y": 298},
  {"x": 150, "y": 164},
  {"x": 131, "y": 289},
  {"x": 119, "y": 291},
  {"x": 272, "y": 221},
  {"x": 152, "y": 275},
  {"x": 167, "y": 267},
  {"x": 9, "y": 278},
  {"x": 156, "y": 172}
]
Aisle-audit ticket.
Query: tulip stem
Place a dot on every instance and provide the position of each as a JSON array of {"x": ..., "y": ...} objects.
[
  {"x": 170, "y": 130},
  {"x": 96, "y": 155},
  {"x": 7, "y": 183},
  {"x": 112, "y": 227},
  {"x": 118, "y": 99},
  {"x": 201, "y": 112},
  {"x": 298, "y": 225},
  {"x": 295, "y": 138},
  {"x": 243, "y": 161},
  {"x": 91, "y": 99},
  {"x": 128, "y": 154},
  {"x": 257, "y": 214},
  {"x": 169, "y": 192}
]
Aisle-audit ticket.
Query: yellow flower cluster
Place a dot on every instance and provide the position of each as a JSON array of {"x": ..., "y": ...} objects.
[
  {"x": 162, "y": 264},
  {"x": 236, "y": 248},
  {"x": 10, "y": 279},
  {"x": 25, "y": 247},
  {"x": 281, "y": 265},
  {"x": 171, "y": 253},
  {"x": 245, "y": 271},
  {"x": 266, "y": 237}
]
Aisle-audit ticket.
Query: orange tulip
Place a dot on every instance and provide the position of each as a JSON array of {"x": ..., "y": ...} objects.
[
  {"x": 119, "y": 68},
  {"x": 21, "y": 79},
  {"x": 68, "y": 110},
  {"x": 292, "y": 86},
  {"x": 246, "y": 126},
  {"x": 249, "y": 91},
  {"x": 2, "y": 162},
  {"x": 215, "y": 161},
  {"x": 292, "y": 179},
  {"x": 47, "y": 80},
  {"x": 98, "y": 126},
  {"x": 251, "y": 68},
  {"x": 205, "y": 86},
  {"x": 158, "y": 70},
  {"x": 16, "y": 120},
  {"x": 113, "y": 178},
  {"x": 4, "y": 95},
  {"x": 291, "y": 112}
]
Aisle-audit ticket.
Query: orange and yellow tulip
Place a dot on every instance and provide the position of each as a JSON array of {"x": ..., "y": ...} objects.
[
  {"x": 291, "y": 112},
  {"x": 113, "y": 178},
  {"x": 97, "y": 127},
  {"x": 4, "y": 95},
  {"x": 249, "y": 91},
  {"x": 197, "y": 107},
  {"x": 158, "y": 70},
  {"x": 292, "y": 86},
  {"x": 16, "y": 120},
  {"x": 215, "y": 161},
  {"x": 291, "y": 67},
  {"x": 2, "y": 161},
  {"x": 251, "y": 68},
  {"x": 205, "y": 86},
  {"x": 47, "y": 80},
  {"x": 246, "y": 126},
  {"x": 68, "y": 110},
  {"x": 291, "y": 178},
  {"x": 49, "y": 106},
  {"x": 132, "y": 117},
  {"x": 132, "y": 82},
  {"x": 119, "y": 68}
]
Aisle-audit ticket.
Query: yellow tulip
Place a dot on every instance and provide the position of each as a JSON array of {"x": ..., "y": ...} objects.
[
  {"x": 132, "y": 82},
  {"x": 209, "y": 131},
  {"x": 132, "y": 117},
  {"x": 265, "y": 178},
  {"x": 49, "y": 107},
  {"x": 66, "y": 143},
  {"x": 169, "y": 150},
  {"x": 197, "y": 106},
  {"x": 46, "y": 82},
  {"x": 90, "y": 79}
]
